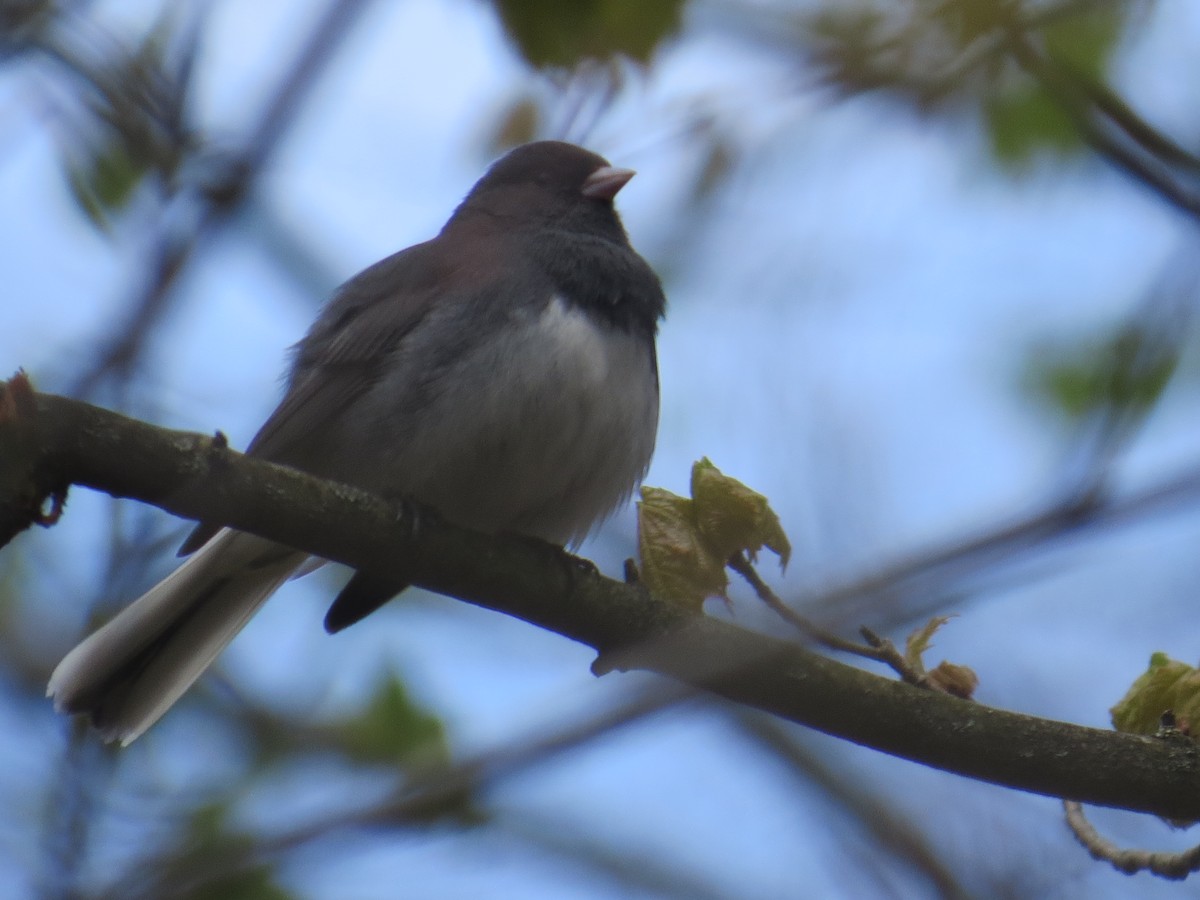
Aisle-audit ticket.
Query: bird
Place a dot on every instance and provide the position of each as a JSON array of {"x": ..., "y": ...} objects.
[{"x": 503, "y": 373}]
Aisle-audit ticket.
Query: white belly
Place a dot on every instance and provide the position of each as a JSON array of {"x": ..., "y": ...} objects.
[{"x": 542, "y": 434}]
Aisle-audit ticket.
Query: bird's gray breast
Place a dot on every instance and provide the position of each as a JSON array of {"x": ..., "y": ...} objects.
[{"x": 542, "y": 427}]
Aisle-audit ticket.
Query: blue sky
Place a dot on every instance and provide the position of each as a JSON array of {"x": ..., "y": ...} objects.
[{"x": 847, "y": 325}]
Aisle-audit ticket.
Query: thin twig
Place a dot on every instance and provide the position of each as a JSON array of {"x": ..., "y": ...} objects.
[
  {"x": 212, "y": 203},
  {"x": 1074, "y": 101},
  {"x": 634, "y": 867},
  {"x": 1036, "y": 531},
  {"x": 1138, "y": 129},
  {"x": 439, "y": 794},
  {"x": 877, "y": 648},
  {"x": 1175, "y": 866},
  {"x": 892, "y": 832}
]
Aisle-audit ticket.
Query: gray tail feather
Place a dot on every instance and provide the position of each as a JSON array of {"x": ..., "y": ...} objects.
[{"x": 130, "y": 672}]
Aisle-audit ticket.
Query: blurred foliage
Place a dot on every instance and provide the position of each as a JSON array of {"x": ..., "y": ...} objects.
[
  {"x": 1022, "y": 117},
  {"x": 393, "y": 729},
  {"x": 684, "y": 544},
  {"x": 255, "y": 884},
  {"x": 556, "y": 33},
  {"x": 962, "y": 51},
  {"x": 125, "y": 133},
  {"x": 1024, "y": 120},
  {"x": 133, "y": 128},
  {"x": 19, "y": 19},
  {"x": 209, "y": 855},
  {"x": 1125, "y": 371},
  {"x": 210, "y": 862},
  {"x": 130, "y": 125},
  {"x": 1083, "y": 36},
  {"x": 104, "y": 182}
]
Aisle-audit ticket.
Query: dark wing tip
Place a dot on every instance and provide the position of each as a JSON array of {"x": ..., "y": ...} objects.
[{"x": 362, "y": 595}]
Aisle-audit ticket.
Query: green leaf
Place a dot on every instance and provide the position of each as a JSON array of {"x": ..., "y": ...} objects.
[
  {"x": 676, "y": 562},
  {"x": 254, "y": 883},
  {"x": 208, "y": 846},
  {"x": 1069, "y": 387},
  {"x": 103, "y": 184},
  {"x": 1024, "y": 120},
  {"x": 921, "y": 640},
  {"x": 685, "y": 545},
  {"x": 564, "y": 32},
  {"x": 395, "y": 730},
  {"x": 734, "y": 519},
  {"x": 1167, "y": 685},
  {"x": 1085, "y": 42},
  {"x": 966, "y": 21},
  {"x": 1128, "y": 370},
  {"x": 1137, "y": 368}
]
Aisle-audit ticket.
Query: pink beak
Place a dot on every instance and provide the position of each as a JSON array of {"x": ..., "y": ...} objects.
[{"x": 604, "y": 183}]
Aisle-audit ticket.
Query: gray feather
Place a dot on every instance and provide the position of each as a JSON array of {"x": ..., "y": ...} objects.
[{"x": 129, "y": 672}]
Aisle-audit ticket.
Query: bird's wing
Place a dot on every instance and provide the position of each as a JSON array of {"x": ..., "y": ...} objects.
[{"x": 343, "y": 354}]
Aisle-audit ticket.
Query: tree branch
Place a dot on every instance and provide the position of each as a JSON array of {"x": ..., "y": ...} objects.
[
  {"x": 48, "y": 443},
  {"x": 209, "y": 202},
  {"x": 1136, "y": 149}
]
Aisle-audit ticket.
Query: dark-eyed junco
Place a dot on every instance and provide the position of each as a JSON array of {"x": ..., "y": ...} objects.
[{"x": 503, "y": 373}]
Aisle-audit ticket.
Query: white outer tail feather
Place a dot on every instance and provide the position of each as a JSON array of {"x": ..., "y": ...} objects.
[{"x": 253, "y": 567}]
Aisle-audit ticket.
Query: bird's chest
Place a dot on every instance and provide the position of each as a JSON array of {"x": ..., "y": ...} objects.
[{"x": 540, "y": 428}]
